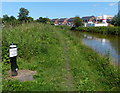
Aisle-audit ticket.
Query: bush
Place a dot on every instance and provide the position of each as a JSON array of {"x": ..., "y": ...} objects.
[{"x": 102, "y": 30}]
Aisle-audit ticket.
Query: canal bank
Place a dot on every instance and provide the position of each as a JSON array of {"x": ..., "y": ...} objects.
[
  {"x": 57, "y": 56},
  {"x": 88, "y": 67},
  {"x": 103, "y": 44},
  {"x": 102, "y": 30}
]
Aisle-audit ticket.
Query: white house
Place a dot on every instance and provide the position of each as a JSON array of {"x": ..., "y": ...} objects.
[{"x": 91, "y": 24}]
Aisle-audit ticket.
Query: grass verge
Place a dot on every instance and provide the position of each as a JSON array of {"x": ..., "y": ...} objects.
[{"x": 41, "y": 48}]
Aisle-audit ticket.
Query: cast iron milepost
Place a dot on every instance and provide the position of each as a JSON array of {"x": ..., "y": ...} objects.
[{"x": 13, "y": 58}]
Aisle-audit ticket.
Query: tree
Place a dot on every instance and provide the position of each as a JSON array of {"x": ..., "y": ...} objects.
[
  {"x": 23, "y": 14},
  {"x": 116, "y": 20},
  {"x": 78, "y": 21},
  {"x": 9, "y": 20},
  {"x": 0, "y": 21},
  {"x": 43, "y": 20},
  {"x": 12, "y": 18},
  {"x": 29, "y": 19},
  {"x": 5, "y": 18}
]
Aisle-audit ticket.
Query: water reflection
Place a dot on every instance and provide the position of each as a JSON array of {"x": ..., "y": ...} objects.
[{"x": 102, "y": 44}]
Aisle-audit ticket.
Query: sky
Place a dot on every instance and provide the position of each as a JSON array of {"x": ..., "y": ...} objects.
[
  {"x": 59, "y": 0},
  {"x": 60, "y": 9}
]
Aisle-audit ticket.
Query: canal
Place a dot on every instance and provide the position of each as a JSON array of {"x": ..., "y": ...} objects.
[{"x": 102, "y": 44}]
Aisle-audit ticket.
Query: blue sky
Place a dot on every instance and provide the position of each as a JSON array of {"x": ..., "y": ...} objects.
[
  {"x": 59, "y": 0},
  {"x": 60, "y": 9}
]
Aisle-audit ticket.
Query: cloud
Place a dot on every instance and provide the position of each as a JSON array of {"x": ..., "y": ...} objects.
[{"x": 112, "y": 4}]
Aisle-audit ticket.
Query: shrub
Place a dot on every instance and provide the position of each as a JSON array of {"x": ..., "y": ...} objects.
[{"x": 102, "y": 30}]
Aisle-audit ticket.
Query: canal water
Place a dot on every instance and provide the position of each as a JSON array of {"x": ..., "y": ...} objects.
[{"x": 102, "y": 44}]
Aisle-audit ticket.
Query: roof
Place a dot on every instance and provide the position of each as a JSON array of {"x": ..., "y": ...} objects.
[
  {"x": 61, "y": 20},
  {"x": 87, "y": 17},
  {"x": 53, "y": 20},
  {"x": 70, "y": 20}
]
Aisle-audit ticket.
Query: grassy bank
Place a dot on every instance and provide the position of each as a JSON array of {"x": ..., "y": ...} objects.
[
  {"x": 62, "y": 64},
  {"x": 102, "y": 30}
]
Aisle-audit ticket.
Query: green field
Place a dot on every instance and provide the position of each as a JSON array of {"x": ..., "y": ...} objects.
[{"x": 62, "y": 61}]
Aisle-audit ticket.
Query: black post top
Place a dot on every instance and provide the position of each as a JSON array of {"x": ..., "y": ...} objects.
[{"x": 12, "y": 43}]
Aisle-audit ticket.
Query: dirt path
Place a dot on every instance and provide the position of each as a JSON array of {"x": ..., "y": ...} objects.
[
  {"x": 68, "y": 76},
  {"x": 69, "y": 81}
]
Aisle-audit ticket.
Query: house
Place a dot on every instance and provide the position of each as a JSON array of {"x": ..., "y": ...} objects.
[
  {"x": 108, "y": 18},
  {"x": 96, "y": 24},
  {"x": 55, "y": 21},
  {"x": 99, "y": 19},
  {"x": 70, "y": 22},
  {"x": 90, "y": 24},
  {"x": 62, "y": 21},
  {"x": 88, "y": 18}
]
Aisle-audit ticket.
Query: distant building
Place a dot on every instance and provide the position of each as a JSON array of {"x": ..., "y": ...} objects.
[
  {"x": 106, "y": 18},
  {"x": 98, "y": 19},
  {"x": 88, "y": 18},
  {"x": 88, "y": 21},
  {"x": 62, "y": 21},
  {"x": 70, "y": 22},
  {"x": 102, "y": 21},
  {"x": 95, "y": 24},
  {"x": 55, "y": 21}
]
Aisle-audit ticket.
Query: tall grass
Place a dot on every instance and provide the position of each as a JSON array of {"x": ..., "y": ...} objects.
[
  {"x": 91, "y": 71},
  {"x": 40, "y": 48}
]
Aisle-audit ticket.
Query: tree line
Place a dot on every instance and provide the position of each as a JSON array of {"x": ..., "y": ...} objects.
[
  {"x": 23, "y": 17},
  {"x": 116, "y": 20}
]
